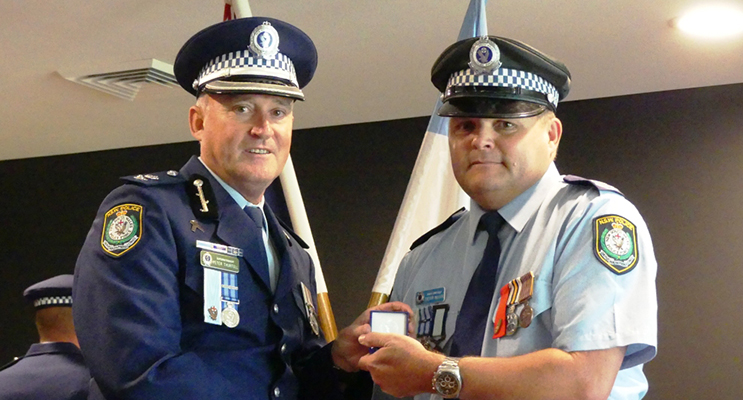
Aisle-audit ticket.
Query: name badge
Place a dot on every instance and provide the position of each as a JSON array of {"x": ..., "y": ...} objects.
[
  {"x": 219, "y": 261},
  {"x": 430, "y": 296}
]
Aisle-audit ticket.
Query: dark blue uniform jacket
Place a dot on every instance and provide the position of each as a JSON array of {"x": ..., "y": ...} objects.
[
  {"x": 48, "y": 371},
  {"x": 139, "y": 314}
]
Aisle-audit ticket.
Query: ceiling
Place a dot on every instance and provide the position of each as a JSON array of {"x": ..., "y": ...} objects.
[{"x": 374, "y": 60}]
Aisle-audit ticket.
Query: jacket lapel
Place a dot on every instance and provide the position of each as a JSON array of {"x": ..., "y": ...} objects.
[
  {"x": 234, "y": 227},
  {"x": 281, "y": 244}
]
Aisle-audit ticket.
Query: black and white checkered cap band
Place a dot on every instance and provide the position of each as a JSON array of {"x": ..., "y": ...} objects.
[
  {"x": 504, "y": 77},
  {"x": 244, "y": 63},
  {"x": 53, "y": 301}
]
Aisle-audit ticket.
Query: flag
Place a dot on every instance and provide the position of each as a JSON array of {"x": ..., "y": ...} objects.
[
  {"x": 295, "y": 206},
  {"x": 433, "y": 193}
]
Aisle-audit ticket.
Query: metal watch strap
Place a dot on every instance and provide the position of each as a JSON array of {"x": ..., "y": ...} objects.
[{"x": 450, "y": 365}]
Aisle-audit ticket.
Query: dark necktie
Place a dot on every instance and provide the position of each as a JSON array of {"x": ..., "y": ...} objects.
[
  {"x": 473, "y": 316},
  {"x": 256, "y": 215}
]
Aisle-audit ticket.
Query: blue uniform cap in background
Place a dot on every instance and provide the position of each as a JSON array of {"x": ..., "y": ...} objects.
[
  {"x": 247, "y": 55},
  {"x": 52, "y": 292}
]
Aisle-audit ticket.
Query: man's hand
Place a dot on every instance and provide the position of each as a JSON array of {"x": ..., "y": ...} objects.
[
  {"x": 347, "y": 350},
  {"x": 401, "y": 366}
]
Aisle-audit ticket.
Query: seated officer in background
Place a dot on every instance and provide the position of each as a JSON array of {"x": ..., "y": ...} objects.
[
  {"x": 187, "y": 286},
  {"x": 545, "y": 288},
  {"x": 53, "y": 368}
]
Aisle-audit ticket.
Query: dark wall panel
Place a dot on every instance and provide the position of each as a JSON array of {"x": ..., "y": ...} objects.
[{"x": 677, "y": 155}]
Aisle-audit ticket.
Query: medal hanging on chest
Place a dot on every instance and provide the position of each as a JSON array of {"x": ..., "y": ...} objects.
[
  {"x": 516, "y": 293},
  {"x": 221, "y": 267}
]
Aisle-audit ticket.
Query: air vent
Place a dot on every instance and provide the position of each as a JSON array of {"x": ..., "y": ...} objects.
[{"x": 124, "y": 80}]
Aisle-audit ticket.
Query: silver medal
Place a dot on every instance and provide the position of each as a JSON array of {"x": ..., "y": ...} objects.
[
  {"x": 230, "y": 317},
  {"x": 512, "y": 320}
]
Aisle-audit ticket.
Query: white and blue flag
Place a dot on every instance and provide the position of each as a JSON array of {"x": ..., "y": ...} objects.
[{"x": 433, "y": 193}]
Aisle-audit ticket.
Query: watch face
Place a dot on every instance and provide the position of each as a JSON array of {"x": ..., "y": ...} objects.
[{"x": 447, "y": 384}]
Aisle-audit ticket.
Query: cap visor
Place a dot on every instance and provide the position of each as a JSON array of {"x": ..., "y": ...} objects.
[
  {"x": 242, "y": 87},
  {"x": 489, "y": 108}
]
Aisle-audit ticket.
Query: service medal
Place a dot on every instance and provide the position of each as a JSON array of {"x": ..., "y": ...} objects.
[
  {"x": 512, "y": 321},
  {"x": 527, "y": 313},
  {"x": 230, "y": 317},
  {"x": 313, "y": 320}
]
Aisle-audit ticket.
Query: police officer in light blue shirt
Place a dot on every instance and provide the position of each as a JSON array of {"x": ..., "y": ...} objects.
[{"x": 569, "y": 310}]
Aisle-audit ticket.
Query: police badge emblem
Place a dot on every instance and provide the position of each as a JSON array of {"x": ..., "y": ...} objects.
[
  {"x": 122, "y": 228},
  {"x": 615, "y": 243},
  {"x": 264, "y": 41},
  {"x": 484, "y": 56}
]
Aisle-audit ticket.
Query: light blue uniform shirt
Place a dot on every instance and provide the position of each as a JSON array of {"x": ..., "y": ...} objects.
[
  {"x": 579, "y": 303},
  {"x": 273, "y": 258}
]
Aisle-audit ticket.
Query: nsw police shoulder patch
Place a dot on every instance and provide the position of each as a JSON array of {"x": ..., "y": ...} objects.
[
  {"x": 615, "y": 243},
  {"x": 122, "y": 228}
]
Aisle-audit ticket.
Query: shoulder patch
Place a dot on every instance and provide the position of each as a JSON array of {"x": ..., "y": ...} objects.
[
  {"x": 122, "y": 228},
  {"x": 449, "y": 221},
  {"x": 597, "y": 184},
  {"x": 615, "y": 243},
  {"x": 158, "y": 178},
  {"x": 288, "y": 231}
]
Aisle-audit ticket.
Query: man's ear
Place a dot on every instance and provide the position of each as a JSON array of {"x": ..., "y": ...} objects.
[
  {"x": 196, "y": 121},
  {"x": 554, "y": 130}
]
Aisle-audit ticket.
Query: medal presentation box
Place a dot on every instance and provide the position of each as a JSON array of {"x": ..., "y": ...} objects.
[{"x": 388, "y": 322}]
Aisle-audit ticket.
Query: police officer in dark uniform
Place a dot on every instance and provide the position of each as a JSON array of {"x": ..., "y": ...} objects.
[
  {"x": 53, "y": 368},
  {"x": 188, "y": 286}
]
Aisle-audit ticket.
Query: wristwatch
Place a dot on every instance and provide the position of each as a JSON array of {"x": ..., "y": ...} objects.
[{"x": 446, "y": 381}]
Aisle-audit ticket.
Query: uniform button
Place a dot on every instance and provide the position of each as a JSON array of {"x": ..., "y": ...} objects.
[
  {"x": 276, "y": 392},
  {"x": 276, "y": 308},
  {"x": 283, "y": 348}
]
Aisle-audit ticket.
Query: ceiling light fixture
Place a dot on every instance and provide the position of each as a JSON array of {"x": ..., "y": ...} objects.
[{"x": 711, "y": 21}]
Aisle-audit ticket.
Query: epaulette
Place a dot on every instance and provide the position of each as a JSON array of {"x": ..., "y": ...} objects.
[
  {"x": 577, "y": 180},
  {"x": 288, "y": 229},
  {"x": 12, "y": 363},
  {"x": 158, "y": 178},
  {"x": 449, "y": 221}
]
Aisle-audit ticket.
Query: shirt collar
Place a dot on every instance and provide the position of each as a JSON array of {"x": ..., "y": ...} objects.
[
  {"x": 519, "y": 210},
  {"x": 239, "y": 199}
]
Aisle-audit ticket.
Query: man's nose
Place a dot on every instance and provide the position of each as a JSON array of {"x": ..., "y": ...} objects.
[
  {"x": 260, "y": 125},
  {"x": 484, "y": 137}
]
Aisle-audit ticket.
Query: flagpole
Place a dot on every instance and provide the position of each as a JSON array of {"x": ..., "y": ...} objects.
[
  {"x": 297, "y": 211},
  {"x": 432, "y": 193}
]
